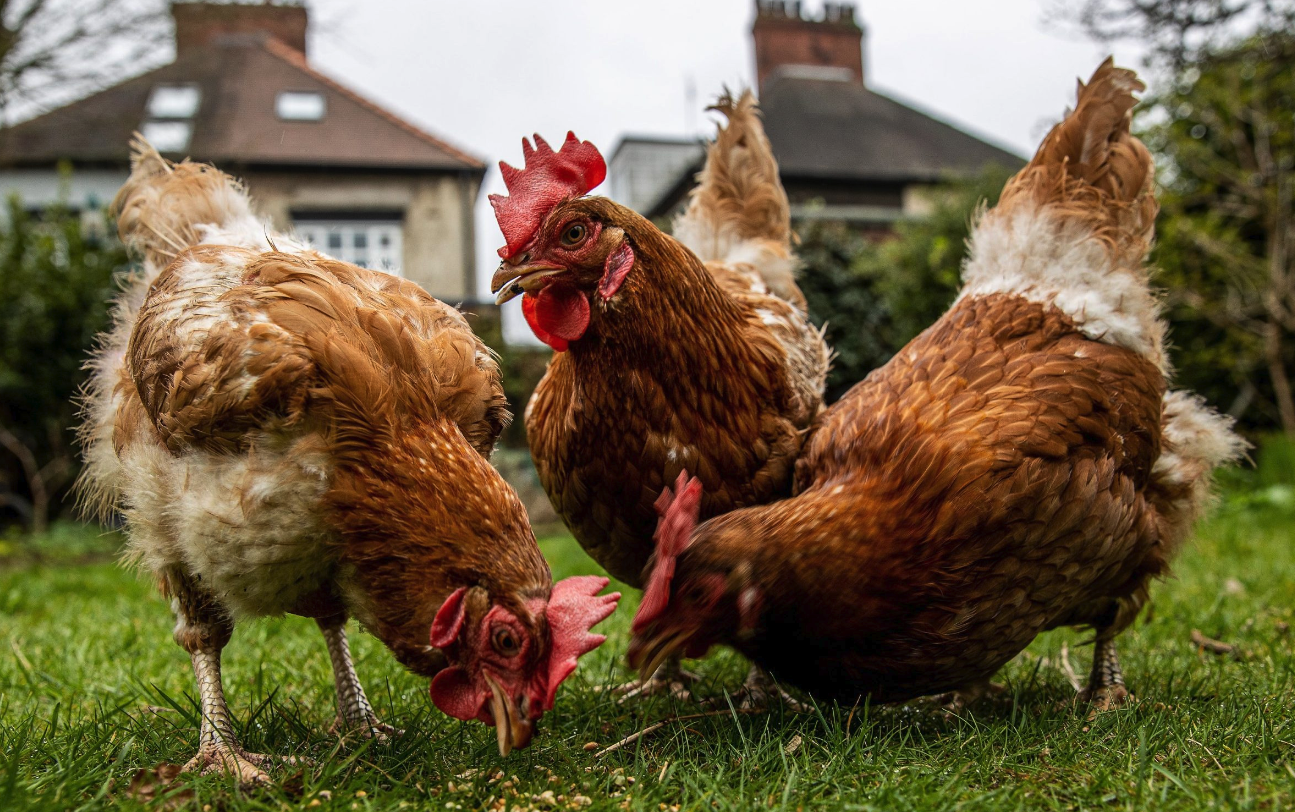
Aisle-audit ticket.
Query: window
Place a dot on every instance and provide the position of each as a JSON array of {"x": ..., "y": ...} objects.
[
  {"x": 167, "y": 136},
  {"x": 375, "y": 244},
  {"x": 174, "y": 101},
  {"x": 295, "y": 105}
]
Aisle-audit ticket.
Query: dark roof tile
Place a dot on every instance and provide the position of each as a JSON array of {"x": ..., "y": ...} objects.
[
  {"x": 236, "y": 122},
  {"x": 844, "y": 131}
]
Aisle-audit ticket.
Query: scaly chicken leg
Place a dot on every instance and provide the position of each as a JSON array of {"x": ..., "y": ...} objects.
[
  {"x": 1106, "y": 682},
  {"x": 354, "y": 713},
  {"x": 203, "y": 629}
]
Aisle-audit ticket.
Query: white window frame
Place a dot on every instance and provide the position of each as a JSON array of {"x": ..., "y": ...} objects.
[{"x": 361, "y": 241}]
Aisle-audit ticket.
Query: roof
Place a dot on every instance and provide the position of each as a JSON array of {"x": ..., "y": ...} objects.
[
  {"x": 236, "y": 123},
  {"x": 844, "y": 131}
]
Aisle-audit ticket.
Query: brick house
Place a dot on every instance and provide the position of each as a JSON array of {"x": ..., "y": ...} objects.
[
  {"x": 360, "y": 182},
  {"x": 845, "y": 151}
]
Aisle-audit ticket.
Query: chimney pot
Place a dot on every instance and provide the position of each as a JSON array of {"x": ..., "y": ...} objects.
[{"x": 786, "y": 39}]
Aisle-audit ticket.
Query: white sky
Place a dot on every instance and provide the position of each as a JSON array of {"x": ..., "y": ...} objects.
[{"x": 483, "y": 73}]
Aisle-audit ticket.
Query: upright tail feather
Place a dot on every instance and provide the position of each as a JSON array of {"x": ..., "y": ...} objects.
[
  {"x": 1072, "y": 229},
  {"x": 1092, "y": 168},
  {"x": 164, "y": 207},
  {"x": 739, "y": 214}
]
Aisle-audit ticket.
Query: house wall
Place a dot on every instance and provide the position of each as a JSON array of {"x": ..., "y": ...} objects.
[
  {"x": 438, "y": 219},
  {"x": 437, "y": 210},
  {"x": 83, "y": 190}
]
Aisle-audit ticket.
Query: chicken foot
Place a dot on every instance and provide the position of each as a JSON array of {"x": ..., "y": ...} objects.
[
  {"x": 354, "y": 713},
  {"x": 203, "y": 629},
  {"x": 759, "y": 690},
  {"x": 955, "y": 702},
  {"x": 669, "y": 678},
  {"x": 1106, "y": 682}
]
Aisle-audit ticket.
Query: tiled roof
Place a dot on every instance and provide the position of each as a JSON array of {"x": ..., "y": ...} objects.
[
  {"x": 844, "y": 131},
  {"x": 236, "y": 123}
]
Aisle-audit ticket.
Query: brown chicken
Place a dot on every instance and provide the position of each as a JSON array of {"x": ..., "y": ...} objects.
[
  {"x": 673, "y": 354},
  {"x": 289, "y": 433},
  {"x": 1017, "y": 467}
]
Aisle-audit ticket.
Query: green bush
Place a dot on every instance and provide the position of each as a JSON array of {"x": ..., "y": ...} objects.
[{"x": 56, "y": 280}]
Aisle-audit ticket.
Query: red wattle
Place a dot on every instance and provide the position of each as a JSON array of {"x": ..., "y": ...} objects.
[{"x": 558, "y": 315}]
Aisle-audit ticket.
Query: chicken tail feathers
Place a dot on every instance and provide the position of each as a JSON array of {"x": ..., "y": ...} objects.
[
  {"x": 1072, "y": 229},
  {"x": 1090, "y": 168},
  {"x": 739, "y": 214},
  {"x": 164, "y": 208}
]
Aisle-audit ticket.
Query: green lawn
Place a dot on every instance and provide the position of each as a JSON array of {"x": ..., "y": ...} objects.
[{"x": 92, "y": 690}]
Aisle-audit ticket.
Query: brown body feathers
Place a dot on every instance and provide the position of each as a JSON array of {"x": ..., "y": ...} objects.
[{"x": 1018, "y": 466}]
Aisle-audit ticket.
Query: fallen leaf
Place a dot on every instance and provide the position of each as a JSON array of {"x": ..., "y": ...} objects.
[
  {"x": 1212, "y": 646},
  {"x": 147, "y": 786}
]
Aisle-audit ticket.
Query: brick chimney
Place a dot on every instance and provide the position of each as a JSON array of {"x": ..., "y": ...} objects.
[
  {"x": 197, "y": 24},
  {"x": 830, "y": 47}
]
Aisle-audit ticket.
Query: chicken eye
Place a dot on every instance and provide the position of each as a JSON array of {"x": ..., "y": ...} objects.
[
  {"x": 574, "y": 235},
  {"x": 504, "y": 642}
]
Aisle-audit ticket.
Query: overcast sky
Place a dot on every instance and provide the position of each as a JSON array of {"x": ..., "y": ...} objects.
[{"x": 483, "y": 73}]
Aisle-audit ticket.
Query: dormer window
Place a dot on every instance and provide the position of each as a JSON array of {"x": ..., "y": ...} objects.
[
  {"x": 297, "y": 105},
  {"x": 167, "y": 136},
  {"x": 174, "y": 101}
]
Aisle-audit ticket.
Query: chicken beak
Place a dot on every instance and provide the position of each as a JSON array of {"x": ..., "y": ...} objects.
[
  {"x": 511, "y": 281},
  {"x": 648, "y": 655},
  {"x": 512, "y": 727}
]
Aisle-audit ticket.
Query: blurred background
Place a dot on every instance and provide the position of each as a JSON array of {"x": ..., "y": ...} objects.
[{"x": 374, "y": 130}]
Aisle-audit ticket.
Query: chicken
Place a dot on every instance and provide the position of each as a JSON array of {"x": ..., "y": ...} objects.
[
  {"x": 1017, "y": 467},
  {"x": 284, "y": 432},
  {"x": 690, "y": 353}
]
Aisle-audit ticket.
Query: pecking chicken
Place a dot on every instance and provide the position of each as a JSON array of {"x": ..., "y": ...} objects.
[
  {"x": 1017, "y": 467},
  {"x": 689, "y": 352},
  {"x": 284, "y": 432}
]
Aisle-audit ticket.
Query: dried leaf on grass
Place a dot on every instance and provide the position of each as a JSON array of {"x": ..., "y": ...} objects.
[
  {"x": 1211, "y": 645},
  {"x": 150, "y": 785}
]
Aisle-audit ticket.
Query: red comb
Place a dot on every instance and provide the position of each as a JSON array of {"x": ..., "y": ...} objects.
[
  {"x": 548, "y": 179},
  {"x": 678, "y": 510},
  {"x": 574, "y": 607}
]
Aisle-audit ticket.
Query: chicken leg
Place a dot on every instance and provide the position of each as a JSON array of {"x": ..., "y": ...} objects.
[
  {"x": 669, "y": 678},
  {"x": 354, "y": 713},
  {"x": 203, "y": 629},
  {"x": 1106, "y": 682},
  {"x": 759, "y": 690}
]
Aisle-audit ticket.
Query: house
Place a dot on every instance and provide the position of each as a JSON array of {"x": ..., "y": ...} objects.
[
  {"x": 360, "y": 182},
  {"x": 845, "y": 151}
]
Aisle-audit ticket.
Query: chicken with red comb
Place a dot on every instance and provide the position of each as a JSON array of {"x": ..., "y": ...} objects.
[
  {"x": 284, "y": 432},
  {"x": 1021, "y": 465},
  {"x": 691, "y": 351}
]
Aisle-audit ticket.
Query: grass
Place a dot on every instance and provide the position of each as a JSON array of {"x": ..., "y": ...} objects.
[{"x": 92, "y": 691}]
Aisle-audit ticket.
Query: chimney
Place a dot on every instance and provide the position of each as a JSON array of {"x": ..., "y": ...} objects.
[
  {"x": 785, "y": 41},
  {"x": 198, "y": 24}
]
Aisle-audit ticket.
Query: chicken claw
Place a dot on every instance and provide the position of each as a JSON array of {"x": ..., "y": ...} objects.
[
  {"x": 759, "y": 690},
  {"x": 669, "y": 678},
  {"x": 217, "y": 758},
  {"x": 955, "y": 702}
]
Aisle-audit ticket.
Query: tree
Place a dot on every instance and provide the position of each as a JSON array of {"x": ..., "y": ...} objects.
[
  {"x": 1226, "y": 143},
  {"x": 1220, "y": 125},
  {"x": 1176, "y": 32},
  {"x": 54, "y": 50}
]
